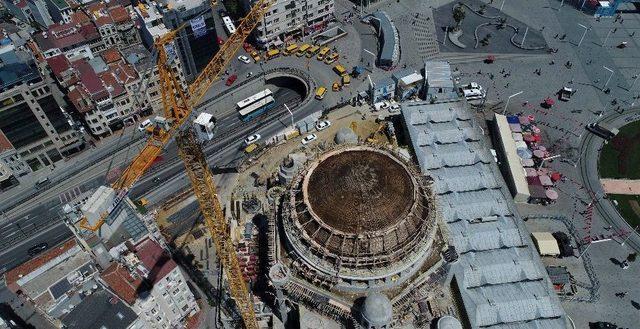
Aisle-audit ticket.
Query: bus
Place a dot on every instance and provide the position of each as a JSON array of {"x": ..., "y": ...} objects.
[
  {"x": 603, "y": 130},
  {"x": 340, "y": 70},
  {"x": 259, "y": 107},
  {"x": 252, "y": 99},
  {"x": 228, "y": 25},
  {"x": 312, "y": 51},
  {"x": 323, "y": 52},
  {"x": 273, "y": 53},
  {"x": 303, "y": 49},
  {"x": 290, "y": 49},
  {"x": 320, "y": 93}
]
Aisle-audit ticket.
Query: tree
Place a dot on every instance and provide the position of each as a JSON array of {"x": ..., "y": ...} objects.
[
  {"x": 632, "y": 257},
  {"x": 483, "y": 8},
  {"x": 458, "y": 15}
]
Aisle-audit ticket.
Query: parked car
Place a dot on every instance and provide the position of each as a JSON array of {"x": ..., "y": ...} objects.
[
  {"x": 394, "y": 107},
  {"x": 244, "y": 59},
  {"x": 309, "y": 138},
  {"x": 252, "y": 139},
  {"x": 231, "y": 79},
  {"x": 255, "y": 55},
  {"x": 322, "y": 125},
  {"x": 38, "y": 249}
]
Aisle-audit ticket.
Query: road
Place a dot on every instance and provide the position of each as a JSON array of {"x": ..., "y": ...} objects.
[
  {"x": 31, "y": 223},
  {"x": 590, "y": 151}
]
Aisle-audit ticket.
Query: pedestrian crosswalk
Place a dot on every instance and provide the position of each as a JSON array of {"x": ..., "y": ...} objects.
[{"x": 70, "y": 194}]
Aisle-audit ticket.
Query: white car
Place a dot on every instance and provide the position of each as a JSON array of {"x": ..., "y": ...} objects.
[
  {"x": 394, "y": 107},
  {"x": 309, "y": 138},
  {"x": 144, "y": 124},
  {"x": 322, "y": 125},
  {"x": 252, "y": 139},
  {"x": 244, "y": 59}
]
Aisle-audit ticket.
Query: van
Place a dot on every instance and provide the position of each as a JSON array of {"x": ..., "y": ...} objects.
[
  {"x": 290, "y": 49},
  {"x": 320, "y": 93},
  {"x": 340, "y": 70},
  {"x": 42, "y": 182},
  {"x": 312, "y": 51},
  {"x": 273, "y": 53},
  {"x": 303, "y": 49},
  {"x": 331, "y": 58},
  {"x": 144, "y": 124},
  {"x": 323, "y": 52},
  {"x": 346, "y": 80}
]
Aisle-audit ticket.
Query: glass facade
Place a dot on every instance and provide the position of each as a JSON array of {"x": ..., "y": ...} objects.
[
  {"x": 54, "y": 114},
  {"x": 21, "y": 126}
]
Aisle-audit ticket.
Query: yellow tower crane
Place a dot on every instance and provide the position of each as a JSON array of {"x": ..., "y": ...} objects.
[{"x": 178, "y": 104}]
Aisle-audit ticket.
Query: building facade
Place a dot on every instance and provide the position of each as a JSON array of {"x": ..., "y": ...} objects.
[
  {"x": 289, "y": 19},
  {"x": 30, "y": 117}
]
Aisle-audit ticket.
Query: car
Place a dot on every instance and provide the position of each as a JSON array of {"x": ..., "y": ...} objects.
[
  {"x": 144, "y": 124},
  {"x": 322, "y": 125},
  {"x": 244, "y": 59},
  {"x": 231, "y": 79},
  {"x": 255, "y": 55},
  {"x": 335, "y": 87},
  {"x": 252, "y": 139},
  {"x": 624, "y": 265},
  {"x": 394, "y": 107},
  {"x": 309, "y": 138},
  {"x": 38, "y": 249}
]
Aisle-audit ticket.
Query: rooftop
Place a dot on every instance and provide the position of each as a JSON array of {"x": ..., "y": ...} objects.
[
  {"x": 100, "y": 310},
  {"x": 15, "y": 274},
  {"x": 155, "y": 259},
  {"x": 60, "y": 4},
  {"x": 119, "y": 279},
  {"x": 438, "y": 74},
  {"x": 501, "y": 279},
  {"x": 17, "y": 67},
  {"x": 5, "y": 144}
]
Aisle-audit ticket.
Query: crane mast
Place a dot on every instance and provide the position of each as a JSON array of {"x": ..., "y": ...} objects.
[
  {"x": 204, "y": 189},
  {"x": 178, "y": 105}
]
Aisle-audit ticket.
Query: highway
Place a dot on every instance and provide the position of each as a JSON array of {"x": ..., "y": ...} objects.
[{"x": 39, "y": 220}]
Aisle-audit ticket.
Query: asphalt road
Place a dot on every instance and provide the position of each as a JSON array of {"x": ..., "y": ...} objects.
[
  {"x": 590, "y": 150},
  {"x": 40, "y": 222}
]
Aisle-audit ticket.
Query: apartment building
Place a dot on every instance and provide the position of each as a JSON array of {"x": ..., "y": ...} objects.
[
  {"x": 289, "y": 19},
  {"x": 195, "y": 44},
  {"x": 76, "y": 39},
  {"x": 30, "y": 117},
  {"x": 149, "y": 95},
  {"x": 29, "y": 11},
  {"x": 101, "y": 90},
  {"x": 151, "y": 282},
  {"x": 11, "y": 164},
  {"x": 60, "y": 10}
]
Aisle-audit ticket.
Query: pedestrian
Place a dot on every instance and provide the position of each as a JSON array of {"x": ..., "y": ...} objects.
[
  {"x": 556, "y": 36},
  {"x": 615, "y": 29},
  {"x": 632, "y": 34}
]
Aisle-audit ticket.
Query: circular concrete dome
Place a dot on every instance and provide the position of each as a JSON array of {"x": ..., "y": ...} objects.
[
  {"x": 359, "y": 191},
  {"x": 449, "y": 322},
  {"x": 346, "y": 136},
  {"x": 377, "y": 310}
]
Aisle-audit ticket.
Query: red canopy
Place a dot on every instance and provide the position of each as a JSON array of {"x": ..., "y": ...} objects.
[
  {"x": 549, "y": 101},
  {"x": 537, "y": 137},
  {"x": 555, "y": 176}
]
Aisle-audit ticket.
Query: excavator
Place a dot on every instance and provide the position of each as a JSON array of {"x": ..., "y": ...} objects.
[{"x": 178, "y": 105}]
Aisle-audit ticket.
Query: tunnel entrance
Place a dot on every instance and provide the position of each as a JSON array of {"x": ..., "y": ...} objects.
[{"x": 288, "y": 89}]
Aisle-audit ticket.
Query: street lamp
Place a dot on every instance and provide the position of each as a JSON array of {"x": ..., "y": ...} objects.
[
  {"x": 502, "y": 5},
  {"x": 291, "y": 113},
  {"x": 635, "y": 229},
  {"x": 508, "y": 99},
  {"x": 372, "y": 55},
  {"x": 607, "y": 37},
  {"x": 610, "y": 76},
  {"x": 583, "y": 33}
]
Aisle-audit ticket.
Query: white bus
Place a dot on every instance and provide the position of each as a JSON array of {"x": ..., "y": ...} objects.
[
  {"x": 228, "y": 25},
  {"x": 254, "y": 98},
  {"x": 257, "y": 108}
]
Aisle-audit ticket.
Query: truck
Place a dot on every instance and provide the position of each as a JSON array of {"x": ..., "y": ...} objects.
[{"x": 603, "y": 130}]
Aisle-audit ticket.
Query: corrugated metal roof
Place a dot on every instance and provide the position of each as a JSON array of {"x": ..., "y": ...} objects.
[{"x": 500, "y": 277}]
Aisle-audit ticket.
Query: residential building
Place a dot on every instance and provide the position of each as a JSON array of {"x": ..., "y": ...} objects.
[
  {"x": 76, "y": 39},
  {"x": 30, "y": 117},
  {"x": 101, "y": 90},
  {"x": 193, "y": 44},
  {"x": 124, "y": 25},
  {"x": 289, "y": 19},
  {"x": 29, "y": 11},
  {"x": 149, "y": 97},
  {"x": 63, "y": 285},
  {"x": 151, "y": 282},
  {"x": 60, "y": 11}
]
